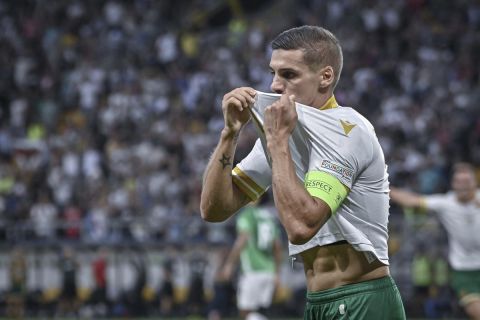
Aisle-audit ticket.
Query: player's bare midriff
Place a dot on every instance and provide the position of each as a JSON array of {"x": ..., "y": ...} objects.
[{"x": 338, "y": 264}]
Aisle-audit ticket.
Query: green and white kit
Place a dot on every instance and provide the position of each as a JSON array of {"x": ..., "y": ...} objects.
[
  {"x": 261, "y": 226},
  {"x": 462, "y": 223},
  {"x": 338, "y": 157}
]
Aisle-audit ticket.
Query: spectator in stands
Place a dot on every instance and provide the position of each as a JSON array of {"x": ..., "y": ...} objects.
[{"x": 44, "y": 217}]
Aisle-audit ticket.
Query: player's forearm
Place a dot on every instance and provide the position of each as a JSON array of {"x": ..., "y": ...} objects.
[
  {"x": 406, "y": 198},
  {"x": 238, "y": 246},
  {"x": 217, "y": 198},
  {"x": 301, "y": 214}
]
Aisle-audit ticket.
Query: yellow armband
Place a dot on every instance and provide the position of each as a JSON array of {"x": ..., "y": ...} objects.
[{"x": 326, "y": 187}]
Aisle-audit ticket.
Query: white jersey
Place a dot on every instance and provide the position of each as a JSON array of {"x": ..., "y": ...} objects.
[
  {"x": 342, "y": 143},
  {"x": 462, "y": 223}
]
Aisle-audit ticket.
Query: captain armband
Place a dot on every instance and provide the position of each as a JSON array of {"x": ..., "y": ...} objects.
[{"x": 326, "y": 187}]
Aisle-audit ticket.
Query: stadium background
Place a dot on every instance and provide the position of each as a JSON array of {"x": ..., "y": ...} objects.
[{"x": 109, "y": 111}]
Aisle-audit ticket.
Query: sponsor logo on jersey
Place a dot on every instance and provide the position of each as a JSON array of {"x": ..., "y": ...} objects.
[{"x": 334, "y": 167}]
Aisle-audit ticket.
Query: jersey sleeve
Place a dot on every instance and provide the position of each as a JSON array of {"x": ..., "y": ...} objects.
[
  {"x": 435, "y": 202},
  {"x": 344, "y": 161},
  {"x": 332, "y": 171},
  {"x": 253, "y": 174}
]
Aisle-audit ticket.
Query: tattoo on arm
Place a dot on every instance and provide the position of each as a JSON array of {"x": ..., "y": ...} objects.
[{"x": 225, "y": 161}]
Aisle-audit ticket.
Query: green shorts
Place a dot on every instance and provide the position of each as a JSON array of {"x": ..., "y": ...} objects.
[
  {"x": 466, "y": 285},
  {"x": 368, "y": 300}
]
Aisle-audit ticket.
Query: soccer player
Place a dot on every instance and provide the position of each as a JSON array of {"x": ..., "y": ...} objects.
[
  {"x": 258, "y": 247},
  {"x": 459, "y": 212},
  {"x": 332, "y": 198}
]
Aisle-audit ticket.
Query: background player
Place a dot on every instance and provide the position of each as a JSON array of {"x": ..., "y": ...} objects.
[
  {"x": 258, "y": 247},
  {"x": 459, "y": 212}
]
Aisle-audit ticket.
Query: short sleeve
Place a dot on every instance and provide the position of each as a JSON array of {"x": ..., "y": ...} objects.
[
  {"x": 436, "y": 202},
  {"x": 351, "y": 154},
  {"x": 253, "y": 174}
]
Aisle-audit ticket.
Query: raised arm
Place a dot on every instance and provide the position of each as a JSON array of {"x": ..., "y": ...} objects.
[
  {"x": 300, "y": 214},
  {"x": 220, "y": 198},
  {"x": 406, "y": 198}
]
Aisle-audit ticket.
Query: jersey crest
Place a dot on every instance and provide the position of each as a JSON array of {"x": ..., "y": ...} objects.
[{"x": 347, "y": 126}]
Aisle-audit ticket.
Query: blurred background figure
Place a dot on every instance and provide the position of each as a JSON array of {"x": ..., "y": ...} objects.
[
  {"x": 196, "y": 301},
  {"x": 99, "y": 269},
  {"x": 16, "y": 296},
  {"x": 459, "y": 212},
  {"x": 68, "y": 302},
  {"x": 223, "y": 301},
  {"x": 166, "y": 292},
  {"x": 136, "y": 296},
  {"x": 258, "y": 249},
  {"x": 44, "y": 217}
]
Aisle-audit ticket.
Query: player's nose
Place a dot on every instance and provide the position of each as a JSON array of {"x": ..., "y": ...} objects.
[{"x": 277, "y": 86}]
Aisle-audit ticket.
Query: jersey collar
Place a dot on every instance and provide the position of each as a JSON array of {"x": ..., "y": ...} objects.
[{"x": 330, "y": 104}]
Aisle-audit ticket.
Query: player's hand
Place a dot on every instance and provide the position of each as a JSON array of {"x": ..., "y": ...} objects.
[
  {"x": 235, "y": 106},
  {"x": 280, "y": 119}
]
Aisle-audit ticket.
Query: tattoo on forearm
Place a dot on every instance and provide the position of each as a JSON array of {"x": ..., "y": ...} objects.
[{"x": 225, "y": 161}]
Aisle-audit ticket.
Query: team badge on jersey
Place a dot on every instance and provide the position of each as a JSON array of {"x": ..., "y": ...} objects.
[{"x": 347, "y": 126}]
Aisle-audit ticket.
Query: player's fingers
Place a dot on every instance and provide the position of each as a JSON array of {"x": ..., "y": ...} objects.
[
  {"x": 252, "y": 92},
  {"x": 247, "y": 92},
  {"x": 234, "y": 102},
  {"x": 269, "y": 113},
  {"x": 284, "y": 100},
  {"x": 274, "y": 107},
  {"x": 244, "y": 98},
  {"x": 250, "y": 95}
]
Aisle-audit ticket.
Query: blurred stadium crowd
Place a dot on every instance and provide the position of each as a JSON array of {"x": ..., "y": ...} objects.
[{"x": 109, "y": 111}]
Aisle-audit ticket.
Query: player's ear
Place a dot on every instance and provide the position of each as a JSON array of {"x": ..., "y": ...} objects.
[{"x": 327, "y": 76}]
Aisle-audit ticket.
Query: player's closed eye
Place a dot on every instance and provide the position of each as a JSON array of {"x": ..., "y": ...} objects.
[
  {"x": 284, "y": 74},
  {"x": 288, "y": 75}
]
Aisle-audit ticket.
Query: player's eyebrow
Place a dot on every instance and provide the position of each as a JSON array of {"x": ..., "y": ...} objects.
[{"x": 284, "y": 70}]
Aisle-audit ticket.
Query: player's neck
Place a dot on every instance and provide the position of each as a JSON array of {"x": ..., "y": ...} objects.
[{"x": 323, "y": 100}]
